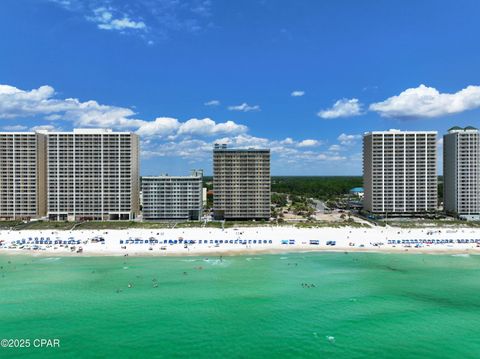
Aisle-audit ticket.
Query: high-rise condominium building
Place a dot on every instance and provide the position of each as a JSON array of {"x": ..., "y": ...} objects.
[
  {"x": 92, "y": 174},
  {"x": 461, "y": 172},
  {"x": 173, "y": 197},
  {"x": 241, "y": 183},
  {"x": 22, "y": 175},
  {"x": 400, "y": 172}
]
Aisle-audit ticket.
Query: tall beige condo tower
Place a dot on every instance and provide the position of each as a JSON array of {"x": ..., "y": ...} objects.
[
  {"x": 461, "y": 172},
  {"x": 241, "y": 183},
  {"x": 22, "y": 175},
  {"x": 92, "y": 174},
  {"x": 400, "y": 172}
]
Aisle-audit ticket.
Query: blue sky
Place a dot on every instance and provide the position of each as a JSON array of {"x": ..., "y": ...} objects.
[{"x": 304, "y": 78}]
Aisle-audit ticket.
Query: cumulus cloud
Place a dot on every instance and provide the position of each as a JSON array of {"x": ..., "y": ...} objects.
[
  {"x": 297, "y": 93},
  {"x": 345, "y": 139},
  {"x": 342, "y": 108},
  {"x": 161, "y": 126},
  {"x": 308, "y": 143},
  {"x": 286, "y": 149},
  {"x": 191, "y": 139},
  {"x": 208, "y": 127},
  {"x": 244, "y": 107},
  {"x": 427, "y": 102},
  {"x": 167, "y": 126},
  {"x": 15, "y": 103},
  {"x": 212, "y": 103}
]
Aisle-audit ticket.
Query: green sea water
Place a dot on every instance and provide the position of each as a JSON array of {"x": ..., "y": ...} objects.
[{"x": 361, "y": 305}]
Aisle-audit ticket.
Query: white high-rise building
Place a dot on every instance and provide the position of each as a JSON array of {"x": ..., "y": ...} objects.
[
  {"x": 461, "y": 172},
  {"x": 173, "y": 197},
  {"x": 400, "y": 172},
  {"x": 92, "y": 174},
  {"x": 22, "y": 175}
]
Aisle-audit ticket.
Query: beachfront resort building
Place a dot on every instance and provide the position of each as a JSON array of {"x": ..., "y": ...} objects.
[
  {"x": 461, "y": 172},
  {"x": 241, "y": 183},
  {"x": 92, "y": 174},
  {"x": 173, "y": 197},
  {"x": 400, "y": 172},
  {"x": 22, "y": 175}
]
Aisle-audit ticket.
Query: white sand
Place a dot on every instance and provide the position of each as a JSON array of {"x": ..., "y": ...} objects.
[{"x": 347, "y": 239}]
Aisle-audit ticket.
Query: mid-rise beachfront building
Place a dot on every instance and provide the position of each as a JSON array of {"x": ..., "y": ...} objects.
[
  {"x": 173, "y": 197},
  {"x": 92, "y": 174},
  {"x": 241, "y": 183},
  {"x": 400, "y": 172},
  {"x": 22, "y": 175},
  {"x": 461, "y": 172}
]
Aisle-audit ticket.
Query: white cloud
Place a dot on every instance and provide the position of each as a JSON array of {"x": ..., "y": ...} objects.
[
  {"x": 166, "y": 126},
  {"x": 244, "y": 107},
  {"x": 45, "y": 128},
  {"x": 161, "y": 126},
  {"x": 186, "y": 148},
  {"x": 105, "y": 20},
  {"x": 212, "y": 103},
  {"x": 330, "y": 157},
  {"x": 335, "y": 148},
  {"x": 16, "y": 103},
  {"x": 164, "y": 16},
  {"x": 287, "y": 150},
  {"x": 427, "y": 102},
  {"x": 164, "y": 136},
  {"x": 287, "y": 141},
  {"x": 345, "y": 139},
  {"x": 297, "y": 93},
  {"x": 14, "y": 128},
  {"x": 208, "y": 127},
  {"x": 342, "y": 108},
  {"x": 308, "y": 143}
]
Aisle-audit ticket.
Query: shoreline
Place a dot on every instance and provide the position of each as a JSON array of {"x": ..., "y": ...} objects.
[
  {"x": 238, "y": 241},
  {"x": 230, "y": 253}
]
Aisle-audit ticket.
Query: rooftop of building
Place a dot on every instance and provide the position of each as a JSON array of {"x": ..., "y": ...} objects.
[
  {"x": 77, "y": 131},
  {"x": 395, "y": 131},
  {"x": 194, "y": 174},
  {"x": 460, "y": 129},
  {"x": 223, "y": 148}
]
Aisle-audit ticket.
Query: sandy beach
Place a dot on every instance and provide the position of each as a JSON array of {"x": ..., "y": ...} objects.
[{"x": 236, "y": 241}]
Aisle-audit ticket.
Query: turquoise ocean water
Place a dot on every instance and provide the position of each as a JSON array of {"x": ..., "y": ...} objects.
[{"x": 361, "y": 305}]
